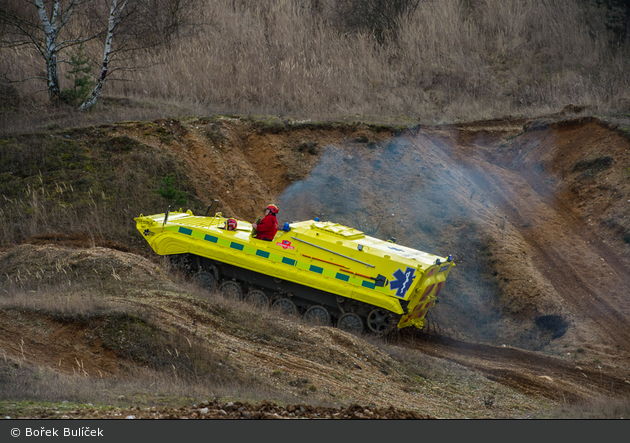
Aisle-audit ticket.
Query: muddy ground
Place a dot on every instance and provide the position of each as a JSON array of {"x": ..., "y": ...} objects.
[{"x": 536, "y": 214}]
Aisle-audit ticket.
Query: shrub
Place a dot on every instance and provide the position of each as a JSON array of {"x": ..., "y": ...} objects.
[
  {"x": 379, "y": 17},
  {"x": 168, "y": 191},
  {"x": 593, "y": 165},
  {"x": 82, "y": 83}
]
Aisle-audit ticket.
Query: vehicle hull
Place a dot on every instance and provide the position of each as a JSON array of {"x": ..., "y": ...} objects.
[{"x": 311, "y": 263}]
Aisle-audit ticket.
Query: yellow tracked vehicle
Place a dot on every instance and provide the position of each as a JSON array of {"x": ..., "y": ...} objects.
[{"x": 330, "y": 273}]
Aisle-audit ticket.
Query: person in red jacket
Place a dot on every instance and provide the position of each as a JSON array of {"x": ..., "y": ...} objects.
[{"x": 268, "y": 226}]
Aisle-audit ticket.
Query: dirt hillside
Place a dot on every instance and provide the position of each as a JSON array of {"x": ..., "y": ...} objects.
[{"x": 536, "y": 214}]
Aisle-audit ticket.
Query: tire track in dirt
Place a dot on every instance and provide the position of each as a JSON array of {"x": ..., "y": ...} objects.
[
  {"x": 595, "y": 242},
  {"x": 577, "y": 281},
  {"x": 531, "y": 373}
]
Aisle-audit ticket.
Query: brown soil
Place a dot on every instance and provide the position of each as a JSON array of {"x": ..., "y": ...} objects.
[{"x": 536, "y": 214}]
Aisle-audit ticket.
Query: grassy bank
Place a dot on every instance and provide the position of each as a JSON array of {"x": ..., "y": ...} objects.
[{"x": 442, "y": 61}]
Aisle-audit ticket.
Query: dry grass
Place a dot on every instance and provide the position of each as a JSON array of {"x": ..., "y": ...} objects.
[
  {"x": 160, "y": 364},
  {"x": 449, "y": 62},
  {"x": 58, "y": 301},
  {"x": 162, "y": 360},
  {"x": 604, "y": 409},
  {"x": 146, "y": 387},
  {"x": 53, "y": 185}
]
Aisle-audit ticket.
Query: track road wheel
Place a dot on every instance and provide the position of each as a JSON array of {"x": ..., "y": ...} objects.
[
  {"x": 257, "y": 297},
  {"x": 380, "y": 321},
  {"x": 213, "y": 269},
  {"x": 318, "y": 315},
  {"x": 180, "y": 263},
  {"x": 350, "y": 322},
  {"x": 286, "y": 306},
  {"x": 231, "y": 289},
  {"x": 206, "y": 280}
]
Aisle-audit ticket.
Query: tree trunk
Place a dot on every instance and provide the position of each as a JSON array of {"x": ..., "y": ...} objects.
[
  {"x": 50, "y": 50},
  {"x": 52, "y": 76},
  {"x": 114, "y": 15},
  {"x": 96, "y": 92}
]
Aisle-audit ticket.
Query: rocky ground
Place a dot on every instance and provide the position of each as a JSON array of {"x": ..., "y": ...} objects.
[{"x": 264, "y": 410}]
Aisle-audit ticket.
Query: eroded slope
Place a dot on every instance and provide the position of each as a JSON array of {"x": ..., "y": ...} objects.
[{"x": 536, "y": 215}]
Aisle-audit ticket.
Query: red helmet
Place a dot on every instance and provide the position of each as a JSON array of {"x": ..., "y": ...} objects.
[
  {"x": 231, "y": 224},
  {"x": 273, "y": 209}
]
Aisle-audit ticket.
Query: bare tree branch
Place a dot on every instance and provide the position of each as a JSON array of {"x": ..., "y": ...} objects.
[
  {"x": 41, "y": 32},
  {"x": 126, "y": 26},
  {"x": 115, "y": 14}
]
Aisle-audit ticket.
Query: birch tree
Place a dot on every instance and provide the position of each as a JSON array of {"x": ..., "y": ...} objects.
[
  {"x": 125, "y": 26},
  {"x": 43, "y": 31},
  {"x": 116, "y": 10}
]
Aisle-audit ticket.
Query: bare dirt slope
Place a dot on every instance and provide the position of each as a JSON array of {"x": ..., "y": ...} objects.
[{"x": 535, "y": 213}]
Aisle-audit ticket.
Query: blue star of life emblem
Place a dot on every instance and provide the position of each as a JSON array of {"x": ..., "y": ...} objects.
[
  {"x": 403, "y": 281},
  {"x": 147, "y": 232}
]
